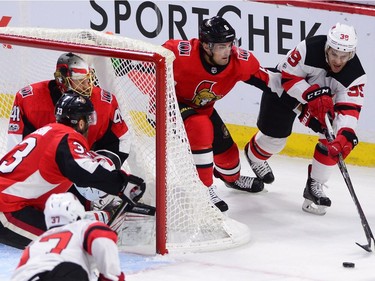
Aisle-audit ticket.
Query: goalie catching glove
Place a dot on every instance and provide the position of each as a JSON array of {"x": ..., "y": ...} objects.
[
  {"x": 319, "y": 101},
  {"x": 344, "y": 142},
  {"x": 133, "y": 188}
]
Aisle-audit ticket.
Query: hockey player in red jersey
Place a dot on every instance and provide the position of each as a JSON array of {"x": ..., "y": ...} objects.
[
  {"x": 205, "y": 70},
  {"x": 34, "y": 106},
  {"x": 321, "y": 75},
  {"x": 48, "y": 161},
  {"x": 72, "y": 249}
]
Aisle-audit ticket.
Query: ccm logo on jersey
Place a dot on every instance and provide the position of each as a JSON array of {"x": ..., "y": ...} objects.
[{"x": 319, "y": 92}]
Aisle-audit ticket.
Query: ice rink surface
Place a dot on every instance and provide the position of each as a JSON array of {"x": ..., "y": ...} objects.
[{"x": 287, "y": 244}]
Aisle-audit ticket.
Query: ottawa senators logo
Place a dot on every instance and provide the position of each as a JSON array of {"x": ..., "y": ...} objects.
[{"x": 204, "y": 94}]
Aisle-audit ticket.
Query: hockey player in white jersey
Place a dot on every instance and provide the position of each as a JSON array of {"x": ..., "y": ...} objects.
[
  {"x": 72, "y": 249},
  {"x": 321, "y": 75}
]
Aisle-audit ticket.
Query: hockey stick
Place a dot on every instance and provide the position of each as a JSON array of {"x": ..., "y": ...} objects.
[
  {"x": 128, "y": 206},
  {"x": 344, "y": 171}
]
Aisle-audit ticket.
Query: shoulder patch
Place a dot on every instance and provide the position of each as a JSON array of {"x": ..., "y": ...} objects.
[
  {"x": 243, "y": 54},
  {"x": 106, "y": 96},
  {"x": 26, "y": 91},
  {"x": 184, "y": 48},
  {"x": 13, "y": 127}
]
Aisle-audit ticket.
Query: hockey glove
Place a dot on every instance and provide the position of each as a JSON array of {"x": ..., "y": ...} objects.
[
  {"x": 319, "y": 101},
  {"x": 344, "y": 142},
  {"x": 310, "y": 121},
  {"x": 133, "y": 188}
]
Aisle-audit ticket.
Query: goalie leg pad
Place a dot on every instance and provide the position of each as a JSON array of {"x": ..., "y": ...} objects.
[{"x": 136, "y": 230}]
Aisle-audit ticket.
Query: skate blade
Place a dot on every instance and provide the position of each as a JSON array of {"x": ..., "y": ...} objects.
[
  {"x": 310, "y": 207},
  {"x": 264, "y": 190}
]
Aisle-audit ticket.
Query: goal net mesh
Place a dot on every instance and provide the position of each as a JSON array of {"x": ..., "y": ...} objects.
[{"x": 192, "y": 221}]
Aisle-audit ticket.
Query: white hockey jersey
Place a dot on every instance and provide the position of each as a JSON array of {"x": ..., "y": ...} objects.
[
  {"x": 90, "y": 244},
  {"x": 306, "y": 65}
]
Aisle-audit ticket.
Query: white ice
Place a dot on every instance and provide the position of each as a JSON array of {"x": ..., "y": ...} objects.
[{"x": 287, "y": 244}]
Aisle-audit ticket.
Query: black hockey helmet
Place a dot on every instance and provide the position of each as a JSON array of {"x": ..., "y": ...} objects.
[
  {"x": 72, "y": 107},
  {"x": 216, "y": 30}
]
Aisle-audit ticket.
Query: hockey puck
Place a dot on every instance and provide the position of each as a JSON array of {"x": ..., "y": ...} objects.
[{"x": 348, "y": 264}]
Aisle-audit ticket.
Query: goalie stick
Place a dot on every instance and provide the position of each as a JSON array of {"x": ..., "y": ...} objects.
[
  {"x": 344, "y": 171},
  {"x": 128, "y": 206}
]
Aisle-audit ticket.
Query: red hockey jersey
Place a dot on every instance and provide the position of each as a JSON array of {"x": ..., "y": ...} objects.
[
  {"x": 200, "y": 89},
  {"x": 49, "y": 161},
  {"x": 34, "y": 107}
]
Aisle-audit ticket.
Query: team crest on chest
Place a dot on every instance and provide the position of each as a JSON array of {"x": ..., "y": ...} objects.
[{"x": 204, "y": 93}]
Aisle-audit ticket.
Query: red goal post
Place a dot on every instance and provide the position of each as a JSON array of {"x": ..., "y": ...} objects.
[{"x": 140, "y": 74}]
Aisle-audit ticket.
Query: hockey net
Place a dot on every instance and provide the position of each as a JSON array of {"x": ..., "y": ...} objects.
[{"x": 140, "y": 75}]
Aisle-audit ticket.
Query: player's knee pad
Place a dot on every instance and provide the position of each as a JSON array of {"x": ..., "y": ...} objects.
[
  {"x": 263, "y": 147},
  {"x": 199, "y": 131},
  {"x": 227, "y": 164},
  {"x": 270, "y": 144}
]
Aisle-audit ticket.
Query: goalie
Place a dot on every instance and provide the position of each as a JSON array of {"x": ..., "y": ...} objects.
[
  {"x": 49, "y": 161},
  {"x": 34, "y": 105}
]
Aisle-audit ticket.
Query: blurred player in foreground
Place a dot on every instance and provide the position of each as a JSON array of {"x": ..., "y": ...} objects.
[{"x": 72, "y": 249}]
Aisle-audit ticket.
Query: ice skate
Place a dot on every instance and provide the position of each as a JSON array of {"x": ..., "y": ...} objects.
[
  {"x": 248, "y": 184},
  {"x": 220, "y": 204},
  {"x": 316, "y": 202},
  {"x": 261, "y": 169},
  {"x": 244, "y": 183}
]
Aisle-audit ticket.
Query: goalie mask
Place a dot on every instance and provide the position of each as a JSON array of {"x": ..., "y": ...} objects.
[
  {"x": 61, "y": 209},
  {"x": 343, "y": 38},
  {"x": 73, "y": 73},
  {"x": 71, "y": 108}
]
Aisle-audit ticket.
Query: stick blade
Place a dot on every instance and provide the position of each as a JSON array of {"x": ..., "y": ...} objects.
[{"x": 366, "y": 247}]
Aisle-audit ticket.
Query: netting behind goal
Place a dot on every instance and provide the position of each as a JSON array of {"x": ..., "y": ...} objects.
[{"x": 140, "y": 75}]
